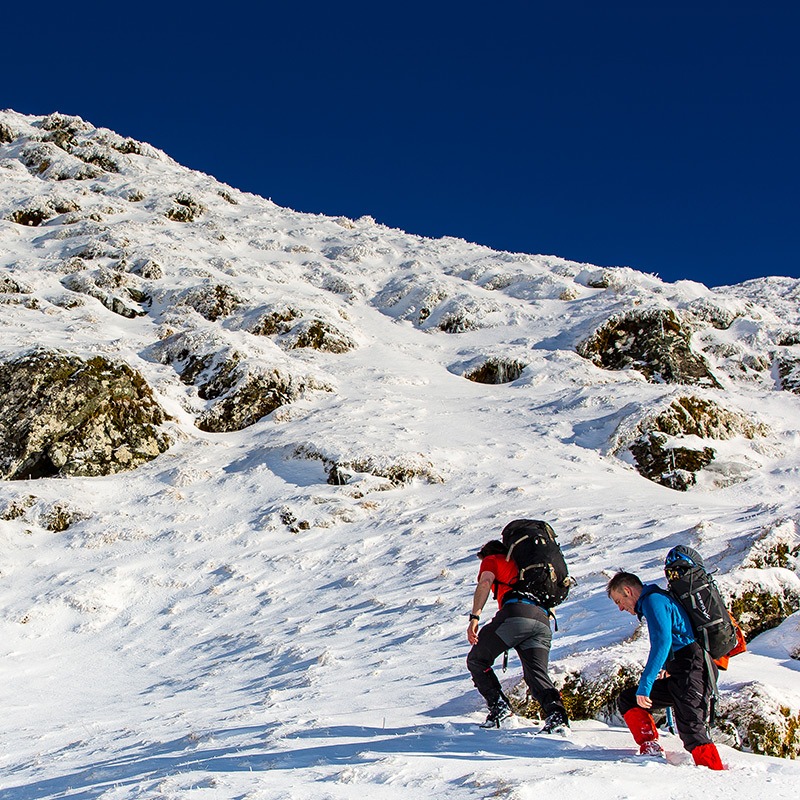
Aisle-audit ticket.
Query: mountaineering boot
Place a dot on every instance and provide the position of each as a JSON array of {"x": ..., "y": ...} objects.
[
  {"x": 641, "y": 724},
  {"x": 652, "y": 748},
  {"x": 498, "y": 711},
  {"x": 556, "y": 722},
  {"x": 707, "y": 755}
]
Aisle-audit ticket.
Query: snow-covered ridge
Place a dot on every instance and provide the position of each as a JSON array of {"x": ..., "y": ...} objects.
[{"x": 232, "y": 606}]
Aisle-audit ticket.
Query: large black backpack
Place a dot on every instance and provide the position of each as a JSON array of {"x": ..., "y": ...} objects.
[
  {"x": 695, "y": 590},
  {"x": 543, "y": 573}
]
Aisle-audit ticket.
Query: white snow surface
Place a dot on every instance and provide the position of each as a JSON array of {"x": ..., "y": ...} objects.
[{"x": 182, "y": 641}]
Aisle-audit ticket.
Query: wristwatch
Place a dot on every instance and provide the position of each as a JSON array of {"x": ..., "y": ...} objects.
[{"x": 474, "y": 616}]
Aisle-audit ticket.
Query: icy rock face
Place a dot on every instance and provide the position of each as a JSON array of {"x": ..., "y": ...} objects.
[
  {"x": 660, "y": 460},
  {"x": 653, "y": 341},
  {"x": 789, "y": 374},
  {"x": 497, "y": 371},
  {"x": 664, "y": 453},
  {"x": 62, "y": 415}
]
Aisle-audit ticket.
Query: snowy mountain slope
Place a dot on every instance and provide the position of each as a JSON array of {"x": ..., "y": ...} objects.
[{"x": 223, "y": 622}]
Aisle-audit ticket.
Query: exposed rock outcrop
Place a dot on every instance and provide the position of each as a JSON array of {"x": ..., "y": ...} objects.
[
  {"x": 185, "y": 208},
  {"x": 653, "y": 341},
  {"x": 590, "y": 682},
  {"x": 671, "y": 447},
  {"x": 294, "y": 330},
  {"x": 255, "y": 395},
  {"x": 317, "y": 334},
  {"x": 38, "y": 210},
  {"x": 663, "y": 461},
  {"x": 275, "y": 321},
  {"x": 584, "y": 696},
  {"x": 61, "y": 415},
  {"x": 244, "y": 390},
  {"x": 214, "y": 374},
  {"x": 9, "y": 285}
]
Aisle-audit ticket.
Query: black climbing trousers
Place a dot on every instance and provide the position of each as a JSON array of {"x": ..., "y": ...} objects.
[
  {"x": 687, "y": 690},
  {"x": 525, "y": 628}
]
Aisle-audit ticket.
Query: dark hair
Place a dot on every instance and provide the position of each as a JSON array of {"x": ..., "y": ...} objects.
[
  {"x": 494, "y": 547},
  {"x": 621, "y": 580}
]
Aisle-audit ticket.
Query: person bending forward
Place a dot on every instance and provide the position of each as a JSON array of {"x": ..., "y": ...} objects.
[{"x": 675, "y": 674}]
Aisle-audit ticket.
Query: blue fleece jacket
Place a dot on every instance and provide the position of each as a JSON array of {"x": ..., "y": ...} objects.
[{"x": 669, "y": 628}]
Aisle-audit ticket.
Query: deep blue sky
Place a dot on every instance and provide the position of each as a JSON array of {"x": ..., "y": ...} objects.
[{"x": 659, "y": 135}]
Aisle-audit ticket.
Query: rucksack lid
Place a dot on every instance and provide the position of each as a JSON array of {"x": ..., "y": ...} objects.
[{"x": 683, "y": 556}]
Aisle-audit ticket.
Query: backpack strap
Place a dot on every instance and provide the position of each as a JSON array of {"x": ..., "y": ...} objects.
[
  {"x": 712, "y": 683},
  {"x": 514, "y": 544},
  {"x": 551, "y": 614},
  {"x": 496, "y": 587}
]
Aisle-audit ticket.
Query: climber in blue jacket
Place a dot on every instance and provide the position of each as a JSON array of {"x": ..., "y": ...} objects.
[{"x": 674, "y": 676}]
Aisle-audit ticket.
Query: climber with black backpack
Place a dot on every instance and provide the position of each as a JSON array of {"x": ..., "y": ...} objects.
[
  {"x": 526, "y": 574},
  {"x": 678, "y": 674},
  {"x": 715, "y": 629}
]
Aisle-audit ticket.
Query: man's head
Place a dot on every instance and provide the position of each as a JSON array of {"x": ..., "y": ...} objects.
[
  {"x": 494, "y": 547},
  {"x": 624, "y": 589}
]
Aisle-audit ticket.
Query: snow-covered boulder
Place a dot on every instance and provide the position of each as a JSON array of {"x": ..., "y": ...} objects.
[
  {"x": 371, "y": 471},
  {"x": 56, "y": 517},
  {"x": 761, "y": 599},
  {"x": 185, "y": 208},
  {"x": 212, "y": 301},
  {"x": 758, "y": 718},
  {"x": 117, "y": 291}
]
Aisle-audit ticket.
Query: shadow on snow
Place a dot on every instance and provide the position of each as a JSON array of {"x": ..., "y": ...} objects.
[{"x": 367, "y": 745}]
